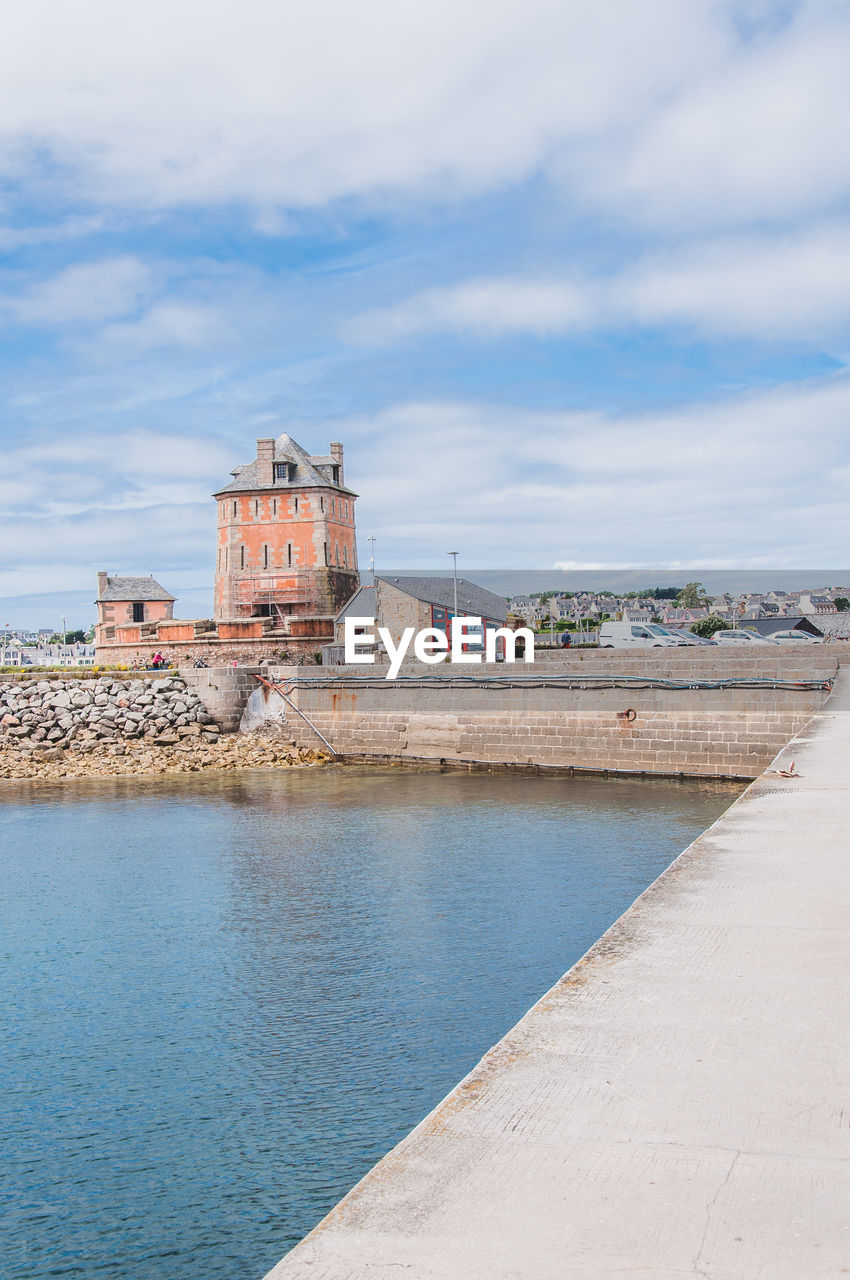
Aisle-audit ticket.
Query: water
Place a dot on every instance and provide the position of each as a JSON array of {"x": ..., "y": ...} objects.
[{"x": 227, "y": 996}]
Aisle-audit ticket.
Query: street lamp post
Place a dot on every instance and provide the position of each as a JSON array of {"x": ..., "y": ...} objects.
[
  {"x": 454, "y": 556},
  {"x": 64, "y": 628},
  {"x": 371, "y": 541}
]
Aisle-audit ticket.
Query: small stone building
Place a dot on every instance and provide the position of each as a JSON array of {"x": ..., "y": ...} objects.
[
  {"x": 122, "y": 601},
  {"x": 420, "y": 602}
]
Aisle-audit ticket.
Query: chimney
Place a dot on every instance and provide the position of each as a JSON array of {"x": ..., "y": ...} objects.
[
  {"x": 336, "y": 454},
  {"x": 102, "y": 582},
  {"x": 265, "y": 463}
]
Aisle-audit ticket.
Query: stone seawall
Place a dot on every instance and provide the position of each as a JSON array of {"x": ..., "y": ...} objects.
[
  {"x": 723, "y": 717},
  {"x": 78, "y": 715}
]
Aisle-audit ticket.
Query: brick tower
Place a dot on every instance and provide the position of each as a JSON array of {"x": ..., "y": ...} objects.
[{"x": 286, "y": 542}]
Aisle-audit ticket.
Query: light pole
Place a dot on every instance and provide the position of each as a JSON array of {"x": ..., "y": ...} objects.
[
  {"x": 64, "y": 622},
  {"x": 371, "y": 541},
  {"x": 454, "y": 556},
  {"x": 5, "y": 643}
]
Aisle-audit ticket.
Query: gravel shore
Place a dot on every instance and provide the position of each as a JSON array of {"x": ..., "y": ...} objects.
[{"x": 192, "y": 755}]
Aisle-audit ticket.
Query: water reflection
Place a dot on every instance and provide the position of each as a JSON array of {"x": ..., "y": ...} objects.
[{"x": 230, "y": 994}]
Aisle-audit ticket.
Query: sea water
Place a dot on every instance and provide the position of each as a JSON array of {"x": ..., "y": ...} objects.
[{"x": 226, "y": 996}]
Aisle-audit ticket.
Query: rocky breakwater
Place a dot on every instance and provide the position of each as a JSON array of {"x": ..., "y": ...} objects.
[{"x": 109, "y": 726}]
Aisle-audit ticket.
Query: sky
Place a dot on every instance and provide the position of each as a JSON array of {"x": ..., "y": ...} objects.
[{"x": 570, "y": 281}]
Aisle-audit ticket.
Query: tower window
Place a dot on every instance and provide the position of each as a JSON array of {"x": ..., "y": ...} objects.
[
  {"x": 289, "y": 554},
  {"x": 284, "y": 471},
  {"x": 274, "y": 506},
  {"x": 335, "y": 471},
  {"x": 326, "y": 553},
  {"x": 321, "y": 504},
  {"x": 138, "y": 612},
  {"x": 234, "y": 508},
  {"x": 296, "y": 506},
  {"x": 265, "y": 555},
  {"x": 256, "y": 506},
  {"x": 241, "y": 557}
]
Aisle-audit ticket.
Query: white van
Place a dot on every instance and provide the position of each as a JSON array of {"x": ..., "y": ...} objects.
[{"x": 635, "y": 635}]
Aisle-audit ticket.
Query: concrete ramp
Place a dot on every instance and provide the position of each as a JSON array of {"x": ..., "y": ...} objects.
[{"x": 678, "y": 1104}]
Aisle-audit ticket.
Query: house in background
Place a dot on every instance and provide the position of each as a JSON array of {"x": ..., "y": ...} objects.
[
  {"x": 128, "y": 600},
  {"x": 396, "y": 603}
]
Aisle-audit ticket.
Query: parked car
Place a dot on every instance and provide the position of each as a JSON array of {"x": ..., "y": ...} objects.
[
  {"x": 740, "y": 638},
  {"x": 795, "y": 637},
  {"x": 678, "y": 637},
  {"x": 633, "y": 635}
]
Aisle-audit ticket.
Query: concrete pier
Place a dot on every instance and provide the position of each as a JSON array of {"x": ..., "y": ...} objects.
[{"x": 677, "y": 1105}]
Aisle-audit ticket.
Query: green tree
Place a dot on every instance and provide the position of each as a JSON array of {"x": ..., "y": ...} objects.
[
  {"x": 706, "y": 627},
  {"x": 842, "y": 604},
  {"x": 692, "y": 596},
  {"x": 71, "y": 637}
]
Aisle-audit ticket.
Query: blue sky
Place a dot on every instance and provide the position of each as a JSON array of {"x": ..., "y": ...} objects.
[{"x": 571, "y": 281}]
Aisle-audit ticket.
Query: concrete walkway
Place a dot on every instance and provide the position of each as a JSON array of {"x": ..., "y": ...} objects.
[{"x": 678, "y": 1105}]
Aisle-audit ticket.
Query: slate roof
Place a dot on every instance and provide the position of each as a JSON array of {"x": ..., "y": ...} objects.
[
  {"x": 836, "y": 625},
  {"x": 473, "y": 600},
  {"x": 134, "y": 589},
  {"x": 361, "y": 605},
  {"x": 813, "y": 626},
  {"x": 307, "y": 473}
]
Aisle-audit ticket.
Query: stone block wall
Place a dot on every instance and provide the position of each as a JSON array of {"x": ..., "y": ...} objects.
[{"x": 729, "y": 731}]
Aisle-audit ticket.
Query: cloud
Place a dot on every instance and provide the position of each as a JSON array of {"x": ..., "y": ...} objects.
[
  {"x": 305, "y": 105},
  {"x": 483, "y": 307},
  {"x": 790, "y": 287},
  {"x": 707, "y": 113},
  {"x": 88, "y": 293},
  {"x": 64, "y": 478},
  {"x": 757, "y": 478},
  {"x": 759, "y": 135},
  {"x": 167, "y": 324},
  {"x": 69, "y": 229}
]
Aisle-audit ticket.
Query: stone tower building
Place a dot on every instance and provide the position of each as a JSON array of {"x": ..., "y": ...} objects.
[{"x": 286, "y": 539}]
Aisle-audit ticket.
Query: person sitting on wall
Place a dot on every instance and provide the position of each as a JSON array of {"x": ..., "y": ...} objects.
[
  {"x": 157, "y": 661},
  {"x": 565, "y": 640}
]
